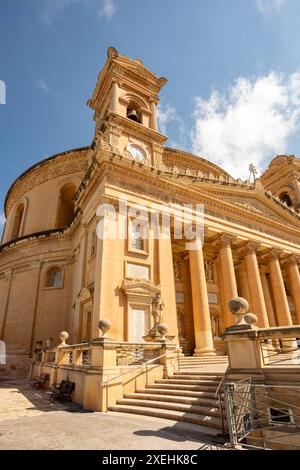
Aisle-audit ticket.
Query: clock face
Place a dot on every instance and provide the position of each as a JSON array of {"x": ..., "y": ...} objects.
[{"x": 137, "y": 152}]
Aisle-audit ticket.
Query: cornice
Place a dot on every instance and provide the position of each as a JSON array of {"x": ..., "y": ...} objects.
[
  {"x": 137, "y": 130},
  {"x": 46, "y": 236},
  {"x": 71, "y": 161}
]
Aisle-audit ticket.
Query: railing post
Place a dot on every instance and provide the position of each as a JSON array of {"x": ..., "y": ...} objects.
[{"x": 230, "y": 413}]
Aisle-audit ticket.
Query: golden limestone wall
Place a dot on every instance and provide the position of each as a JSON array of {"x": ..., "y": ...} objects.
[
  {"x": 30, "y": 309},
  {"x": 38, "y": 191}
]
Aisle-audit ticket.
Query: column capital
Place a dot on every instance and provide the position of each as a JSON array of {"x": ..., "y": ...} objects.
[
  {"x": 291, "y": 259},
  {"x": 270, "y": 254},
  {"x": 248, "y": 247},
  {"x": 223, "y": 239}
]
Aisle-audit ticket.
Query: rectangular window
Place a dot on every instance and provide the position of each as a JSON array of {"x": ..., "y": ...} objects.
[{"x": 138, "y": 325}]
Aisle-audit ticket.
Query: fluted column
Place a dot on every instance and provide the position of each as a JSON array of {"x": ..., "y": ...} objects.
[
  {"x": 202, "y": 324},
  {"x": 228, "y": 279},
  {"x": 281, "y": 304},
  {"x": 267, "y": 296},
  {"x": 294, "y": 277},
  {"x": 254, "y": 283}
]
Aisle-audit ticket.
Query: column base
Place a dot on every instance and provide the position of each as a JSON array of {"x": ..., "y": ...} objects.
[{"x": 199, "y": 352}]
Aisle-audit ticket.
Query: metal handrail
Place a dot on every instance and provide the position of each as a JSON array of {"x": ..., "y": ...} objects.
[
  {"x": 105, "y": 384},
  {"x": 137, "y": 367},
  {"x": 221, "y": 381},
  {"x": 218, "y": 396}
]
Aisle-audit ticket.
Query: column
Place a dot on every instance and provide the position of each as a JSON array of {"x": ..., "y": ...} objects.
[
  {"x": 255, "y": 288},
  {"x": 294, "y": 277},
  {"x": 297, "y": 192},
  {"x": 202, "y": 325},
  {"x": 243, "y": 283},
  {"x": 153, "y": 117},
  {"x": 281, "y": 304},
  {"x": 267, "y": 296},
  {"x": 166, "y": 280},
  {"x": 114, "y": 105},
  {"x": 228, "y": 279}
]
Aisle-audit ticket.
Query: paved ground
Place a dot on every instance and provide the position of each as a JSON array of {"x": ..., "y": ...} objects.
[{"x": 29, "y": 420}]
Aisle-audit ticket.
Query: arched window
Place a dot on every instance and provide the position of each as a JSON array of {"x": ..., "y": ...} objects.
[
  {"x": 134, "y": 112},
  {"x": 54, "y": 277},
  {"x": 65, "y": 209},
  {"x": 284, "y": 197},
  {"x": 17, "y": 227}
]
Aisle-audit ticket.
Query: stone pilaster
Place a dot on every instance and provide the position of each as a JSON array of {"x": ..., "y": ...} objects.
[
  {"x": 153, "y": 116},
  {"x": 114, "y": 105}
]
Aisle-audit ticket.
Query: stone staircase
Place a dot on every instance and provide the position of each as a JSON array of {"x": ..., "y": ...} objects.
[{"x": 188, "y": 395}]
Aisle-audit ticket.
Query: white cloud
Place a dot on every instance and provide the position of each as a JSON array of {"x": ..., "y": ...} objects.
[
  {"x": 167, "y": 117},
  {"x": 108, "y": 9},
  {"x": 51, "y": 9},
  {"x": 42, "y": 84},
  {"x": 249, "y": 123},
  {"x": 269, "y": 6},
  {"x": 2, "y": 220}
]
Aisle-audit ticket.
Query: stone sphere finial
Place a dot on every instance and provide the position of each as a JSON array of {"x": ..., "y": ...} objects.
[
  {"x": 104, "y": 325},
  {"x": 239, "y": 307},
  {"x": 162, "y": 328},
  {"x": 250, "y": 318},
  {"x": 63, "y": 336}
]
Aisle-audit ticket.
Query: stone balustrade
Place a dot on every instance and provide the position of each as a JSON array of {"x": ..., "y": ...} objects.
[{"x": 90, "y": 365}]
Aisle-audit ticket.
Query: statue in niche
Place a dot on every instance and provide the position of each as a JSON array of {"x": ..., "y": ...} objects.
[
  {"x": 214, "y": 320},
  {"x": 157, "y": 308},
  {"x": 209, "y": 270},
  {"x": 177, "y": 270}
]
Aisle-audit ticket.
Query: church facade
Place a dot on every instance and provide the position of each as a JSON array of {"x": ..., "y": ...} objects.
[{"x": 57, "y": 273}]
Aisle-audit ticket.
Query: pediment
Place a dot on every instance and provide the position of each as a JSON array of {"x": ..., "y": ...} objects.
[
  {"x": 258, "y": 203},
  {"x": 140, "y": 287},
  {"x": 85, "y": 295}
]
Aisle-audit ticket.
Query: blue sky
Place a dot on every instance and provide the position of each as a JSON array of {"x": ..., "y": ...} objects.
[{"x": 233, "y": 66}]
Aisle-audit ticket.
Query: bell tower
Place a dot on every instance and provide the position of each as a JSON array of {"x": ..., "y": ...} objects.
[
  {"x": 124, "y": 103},
  {"x": 282, "y": 178}
]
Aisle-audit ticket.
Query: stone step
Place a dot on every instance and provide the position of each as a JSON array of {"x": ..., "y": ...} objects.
[
  {"x": 202, "y": 410},
  {"x": 199, "y": 378},
  {"x": 168, "y": 385},
  {"x": 202, "y": 362},
  {"x": 205, "y": 383},
  {"x": 176, "y": 392},
  {"x": 204, "y": 374},
  {"x": 203, "y": 358},
  {"x": 200, "y": 401},
  {"x": 174, "y": 415}
]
